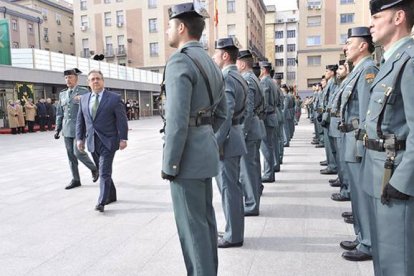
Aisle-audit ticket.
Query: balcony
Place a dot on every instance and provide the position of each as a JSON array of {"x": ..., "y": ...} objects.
[
  {"x": 109, "y": 52},
  {"x": 86, "y": 53},
  {"x": 121, "y": 51}
]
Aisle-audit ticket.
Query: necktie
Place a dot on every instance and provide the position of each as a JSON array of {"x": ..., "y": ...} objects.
[{"x": 95, "y": 106}]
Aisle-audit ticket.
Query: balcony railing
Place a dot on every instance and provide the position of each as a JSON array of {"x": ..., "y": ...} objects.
[{"x": 121, "y": 51}]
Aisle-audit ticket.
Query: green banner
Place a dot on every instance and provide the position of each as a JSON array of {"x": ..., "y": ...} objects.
[{"x": 5, "y": 55}]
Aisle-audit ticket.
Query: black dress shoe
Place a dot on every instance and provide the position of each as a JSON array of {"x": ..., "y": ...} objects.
[
  {"x": 73, "y": 184},
  {"x": 267, "y": 180},
  {"x": 328, "y": 171},
  {"x": 319, "y": 146},
  {"x": 349, "y": 245},
  {"x": 349, "y": 220},
  {"x": 251, "y": 214},
  {"x": 95, "y": 175},
  {"x": 276, "y": 168},
  {"x": 323, "y": 163},
  {"x": 110, "y": 200},
  {"x": 286, "y": 145},
  {"x": 356, "y": 256},
  {"x": 222, "y": 243},
  {"x": 315, "y": 142},
  {"x": 346, "y": 214},
  {"x": 339, "y": 197},
  {"x": 100, "y": 208},
  {"x": 332, "y": 180},
  {"x": 336, "y": 184}
]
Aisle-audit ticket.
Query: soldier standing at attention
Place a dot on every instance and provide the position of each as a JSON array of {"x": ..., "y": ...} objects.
[
  {"x": 195, "y": 108},
  {"x": 271, "y": 122},
  {"x": 389, "y": 141},
  {"x": 249, "y": 167},
  {"x": 66, "y": 114},
  {"x": 355, "y": 96},
  {"x": 231, "y": 143}
]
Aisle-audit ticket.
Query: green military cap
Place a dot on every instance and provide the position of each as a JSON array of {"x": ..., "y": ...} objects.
[
  {"x": 359, "y": 32},
  {"x": 265, "y": 64},
  {"x": 377, "y": 6},
  {"x": 332, "y": 67},
  {"x": 73, "y": 71},
  {"x": 195, "y": 8},
  {"x": 244, "y": 54},
  {"x": 227, "y": 43}
]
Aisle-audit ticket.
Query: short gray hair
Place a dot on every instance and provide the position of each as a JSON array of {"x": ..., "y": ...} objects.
[{"x": 97, "y": 71}]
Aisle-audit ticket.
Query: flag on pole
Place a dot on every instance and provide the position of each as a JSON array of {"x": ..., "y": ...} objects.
[
  {"x": 5, "y": 55},
  {"x": 216, "y": 13}
]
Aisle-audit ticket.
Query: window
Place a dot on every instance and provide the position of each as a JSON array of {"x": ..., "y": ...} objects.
[
  {"x": 14, "y": 24},
  {"x": 314, "y": 60},
  {"x": 30, "y": 28},
  {"x": 109, "y": 46},
  {"x": 343, "y": 38},
  {"x": 84, "y": 20},
  {"x": 107, "y": 19},
  {"x": 314, "y": 21},
  {"x": 15, "y": 44},
  {"x": 291, "y": 47},
  {"x": 152, "y": 25},
  {"x": 313, "y": 40},
  {"x": 83, "y": 5},
  {"x": 231, "y": 6},
  {"x": 59, "y": 36},
  {"x": 107, "y": 1},
  {"x": 154, "y": 49},
  {"x": 44, "y": 13},
  {"x": 121, "y": 44},
  {"x": 279, "y": 34},
  {"x": 279, "y": 62},
  {"x": 279, "y": 48},
  {"x": 70, "y": 21},
  {"x": 347, "y": 2},
  {"x": 119, "y": 1},
  {"x": 152, "y": 4},
  {"x": 231, "y": 30},
  {"x": 347, "y": 18},
  {"x": 45, "y": 32},
  {"x": 204, "y": 41},
  {"x": 85, "y": 47},
  {"x": 291, "y": 75},
  {"x": 291, "y": 33},
  {"x": 58, "y": 19},
  {"x": 291, "y": 62},
  {"x": 120, "y": 18}
]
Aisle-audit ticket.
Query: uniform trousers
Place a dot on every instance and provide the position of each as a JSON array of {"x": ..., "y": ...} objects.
[
  {"x": 250, "y": 178},
  {"x": 196, "y": 224},
  {"x": 231, "y": 198},
  {"x": 74, "y": 155}
]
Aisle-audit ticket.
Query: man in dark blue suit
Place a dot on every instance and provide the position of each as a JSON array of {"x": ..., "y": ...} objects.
[{"x": 103, "y": 123}]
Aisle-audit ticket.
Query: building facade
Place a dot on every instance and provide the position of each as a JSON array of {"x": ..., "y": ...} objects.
[
  {"x": 132, "y": 33},
  {"x": 282, "y": 42},
  {"x": 24, "y": 25},
  {"x": 323, "y": 33},
  {"x": 56, "y": 30}
]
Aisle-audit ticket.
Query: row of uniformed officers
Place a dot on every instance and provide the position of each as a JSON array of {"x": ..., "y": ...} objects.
[
  {"x": 364, "y": 119},
  {"x": 218, "y": 116}
]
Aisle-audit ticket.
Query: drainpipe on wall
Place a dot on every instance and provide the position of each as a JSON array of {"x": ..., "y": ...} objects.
[{"x": 39, "y": 35}]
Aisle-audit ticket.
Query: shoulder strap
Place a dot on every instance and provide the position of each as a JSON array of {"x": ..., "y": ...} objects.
[
  {"x": 258, "y": 89},
  {"x": 387, "y": 95},
  {"x": 243, "y": 83},
  {"x": 203, "y": 73}
]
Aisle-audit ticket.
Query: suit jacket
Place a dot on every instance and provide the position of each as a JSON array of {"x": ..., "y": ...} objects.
[
  {"x": 67, "y": 110},
  {"x": 230, "y": 137},
  {"x": 190, "y": 151},
  {"x": 30, "y": 111},
  {"x": 396, "y": 74},
  {"x": 110, "y": 124}
]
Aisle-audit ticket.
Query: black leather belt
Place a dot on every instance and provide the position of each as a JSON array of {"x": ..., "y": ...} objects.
[
  {"x": 378, "y": 145},
  {"x": 200, "y": 121},
  {"x": 270, "y": 112},
  {"x": 346, "y": 128}
]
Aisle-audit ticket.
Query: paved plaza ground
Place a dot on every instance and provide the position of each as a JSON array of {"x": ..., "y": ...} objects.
[{"x": 47, "y": 230}]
